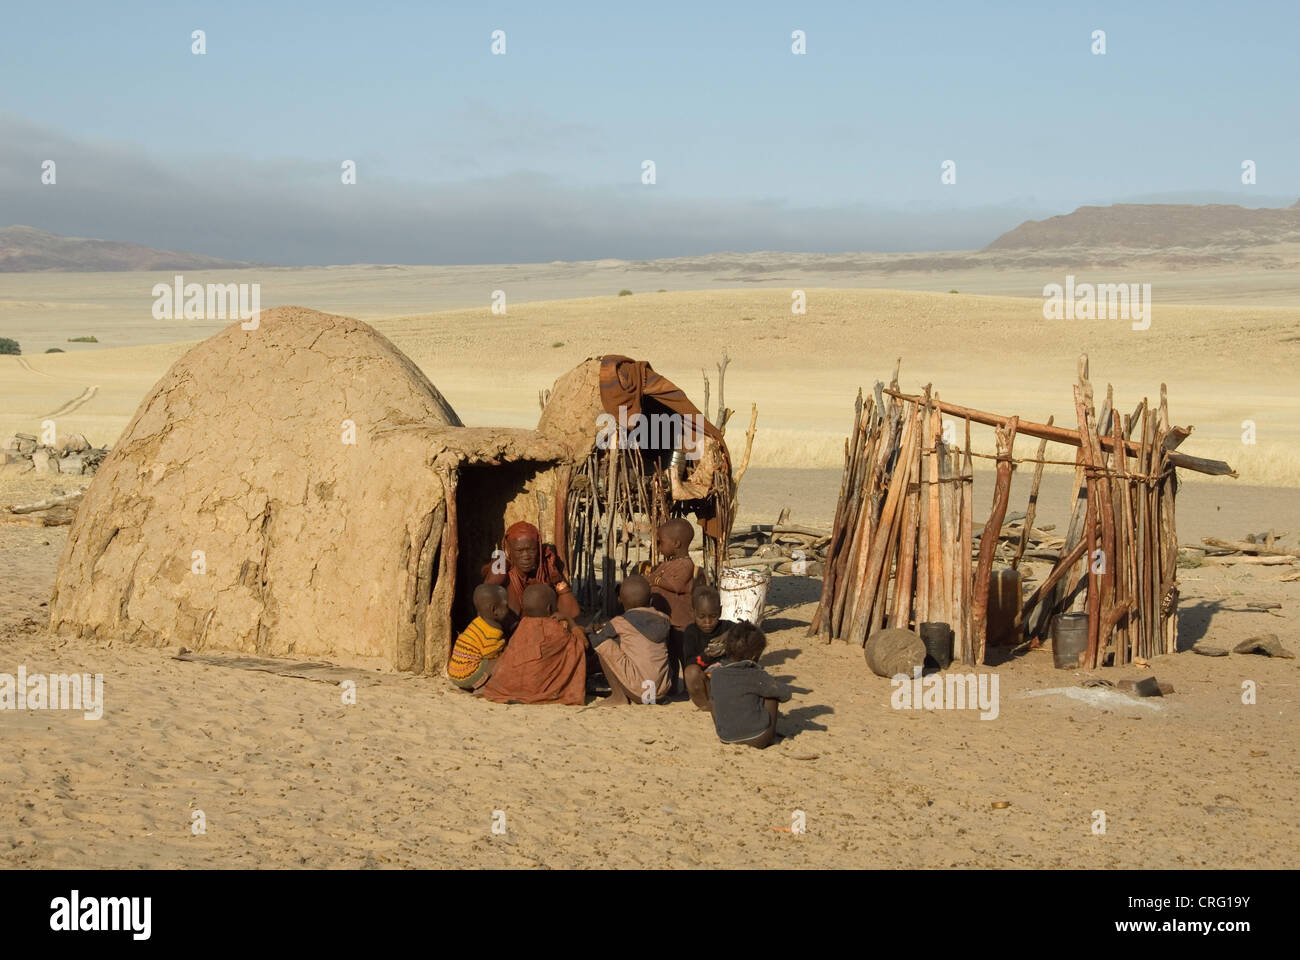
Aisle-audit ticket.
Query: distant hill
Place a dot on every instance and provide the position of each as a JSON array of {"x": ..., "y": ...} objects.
[
  {"x": 1155, "y": 226},
  {"x": 28, "y": 249}
]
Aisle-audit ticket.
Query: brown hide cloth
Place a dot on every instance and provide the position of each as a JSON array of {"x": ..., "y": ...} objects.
[
  {"x": 544, "y": 662},
  {"x": 624, "y": 382}
]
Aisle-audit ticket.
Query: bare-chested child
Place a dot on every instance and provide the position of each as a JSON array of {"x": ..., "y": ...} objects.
[
  {"x": 633, "y": 648},
  {"x": 671, "y": 583},
  {"x": 475, "y": 653},
  {"x": 704, "y": 642}
]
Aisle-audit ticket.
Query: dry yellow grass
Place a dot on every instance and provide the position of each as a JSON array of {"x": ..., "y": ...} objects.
[{"x": 1223, "y": 364}]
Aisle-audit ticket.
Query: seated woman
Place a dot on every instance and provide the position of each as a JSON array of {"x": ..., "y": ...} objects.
[
  {"x": 529, "y": 561},
  {"x": 546, "y": 659}
]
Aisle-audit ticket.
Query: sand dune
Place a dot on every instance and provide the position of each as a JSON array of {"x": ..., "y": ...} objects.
[{"x": 1223, "y": 364}]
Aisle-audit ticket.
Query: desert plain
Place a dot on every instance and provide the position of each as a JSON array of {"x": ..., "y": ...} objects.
[{"x": 416, "y": 774}]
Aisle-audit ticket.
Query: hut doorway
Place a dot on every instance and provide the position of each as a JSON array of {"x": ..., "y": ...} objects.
[{"x": 489, "y": 497}]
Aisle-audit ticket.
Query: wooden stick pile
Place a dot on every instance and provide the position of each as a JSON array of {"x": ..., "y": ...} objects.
[
  {"x": 902, "y": 537},
  {"x": 1121, "y": 549},
  {"x": 903, "y": 550},
  {"x": 616, "y": 500}
]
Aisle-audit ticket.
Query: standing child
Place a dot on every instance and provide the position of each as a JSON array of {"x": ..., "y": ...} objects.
[
  {"x": 671, "y": 583},
  {"x": 745, "y": 696},
  {"x": 633, "y": 648},
  {"x": 476, "y": 650},
  {"x": 704, "y": 642}
]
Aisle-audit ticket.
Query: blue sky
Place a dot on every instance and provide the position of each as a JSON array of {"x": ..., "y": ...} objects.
[{"x": 848, "y": 136}]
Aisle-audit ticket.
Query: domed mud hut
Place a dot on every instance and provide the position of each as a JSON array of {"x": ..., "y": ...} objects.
[
  {"x": 297, "y": 488},
  {"x": 640, "y": 452}
]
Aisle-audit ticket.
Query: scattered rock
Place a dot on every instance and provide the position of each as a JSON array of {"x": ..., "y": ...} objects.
[
  {"x": 74, "y": 443},
  {"x": 72, "y": 455},
  {"x": 893, "y": 651},
  {"x": 1267, "y": 644},
  {"x": 1206, "y": 650},
  {"x": 1147, "y": 687}
]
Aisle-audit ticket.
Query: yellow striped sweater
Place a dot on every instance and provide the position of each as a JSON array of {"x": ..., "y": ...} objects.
[{"x": 480, "y": 641}]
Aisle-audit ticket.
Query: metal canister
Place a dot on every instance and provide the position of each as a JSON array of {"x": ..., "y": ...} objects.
[{"x": 678, "y": 463}]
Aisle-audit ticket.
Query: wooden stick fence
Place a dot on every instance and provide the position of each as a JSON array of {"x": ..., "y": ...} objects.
[{"x": 902, "y": 549}]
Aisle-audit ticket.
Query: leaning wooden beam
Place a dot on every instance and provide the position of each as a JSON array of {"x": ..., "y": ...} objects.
[
  {"x": 1032, "y": 509},
  {"x": 966, "y": 648},
  {"x": 1006, "y": 438},
  {"x": 948, "y": 499},
  {"x": 890, "y": 517},
  {"x": 922, "y": 472},
  {"x": 858, "y": 519},
  {"x": 1168, "y": 485},
  {"x": 1123, "y": 547},
  {"x": 1101, "y": 508},
  {"x": 1044, "y": 588},
  {"x": 1043, "y": 431},
  {"x": 901, "y": 612},
  {"x": 938, "y": 601},
  {"x": 821, "y": 616},
  {"x": 48, "y": 503}
]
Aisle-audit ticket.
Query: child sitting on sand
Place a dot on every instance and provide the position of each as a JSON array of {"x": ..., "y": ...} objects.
[
  {"x": 633, "y": 648},
  {"x": 704, "y": 642},
  {"x": 475, "y": 652},
  {"x": 546, "y": 659},
  {"x": 745, "y": 696},
  {"x": 671, "y": 583}
]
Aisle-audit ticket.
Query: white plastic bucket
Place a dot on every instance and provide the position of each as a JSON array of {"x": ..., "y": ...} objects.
[{"x": 743, "y": 592}]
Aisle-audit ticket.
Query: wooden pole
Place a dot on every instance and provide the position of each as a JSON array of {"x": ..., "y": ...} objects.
[
  {"x": 1044, "y": 589},
  {"x": 936, "y": 593},
  {"x": 1070, "y": 437},
  {"x": 901, "y": 609},
  {"x": 890, "y": 517},
  {"x": 966, "y": 610},
  {"x": 851, "y": 446},
  {"x": 922, "y": 474},
  {"x": 1032, "y": 510},
  {"x": 1167, "y": 536},
  {"x": 1006, "y": 438},
  {"x": 1100, "y": 513}
]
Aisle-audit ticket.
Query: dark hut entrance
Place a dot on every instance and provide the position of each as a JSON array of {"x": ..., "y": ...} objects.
[{"x": 489, "y": 497}]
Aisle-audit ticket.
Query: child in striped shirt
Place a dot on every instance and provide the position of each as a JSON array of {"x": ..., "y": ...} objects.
[{"x": 476, "y": 650}]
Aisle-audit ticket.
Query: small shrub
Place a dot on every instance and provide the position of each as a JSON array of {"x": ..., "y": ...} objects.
[
  {"x": 625, "y": 292},
  {"x": 55, "y": 350},
  {"x": 661, "y": 290},
  {"x": 952, "y": 291},
  {"x": 81, "y": 340},
  {"x": 9, "y": 347},
  {"x": 558, "y": 343}
]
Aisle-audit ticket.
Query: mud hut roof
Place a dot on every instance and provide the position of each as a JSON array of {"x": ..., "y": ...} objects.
[{"x": 569, "y": 416}]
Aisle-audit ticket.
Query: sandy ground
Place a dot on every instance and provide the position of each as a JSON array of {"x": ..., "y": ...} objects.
[
  {"x": 287, "y": 774},
  {"x": 412, "y": 774}
]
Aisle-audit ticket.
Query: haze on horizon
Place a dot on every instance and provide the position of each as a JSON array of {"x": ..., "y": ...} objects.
[{"x": 463, "y": 156}]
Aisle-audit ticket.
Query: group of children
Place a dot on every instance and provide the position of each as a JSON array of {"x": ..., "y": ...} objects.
[{"x": 671, "y": 627}]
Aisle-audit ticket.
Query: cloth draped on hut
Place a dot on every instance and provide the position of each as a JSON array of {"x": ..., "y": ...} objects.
[{"x": 625, "y": 384}]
